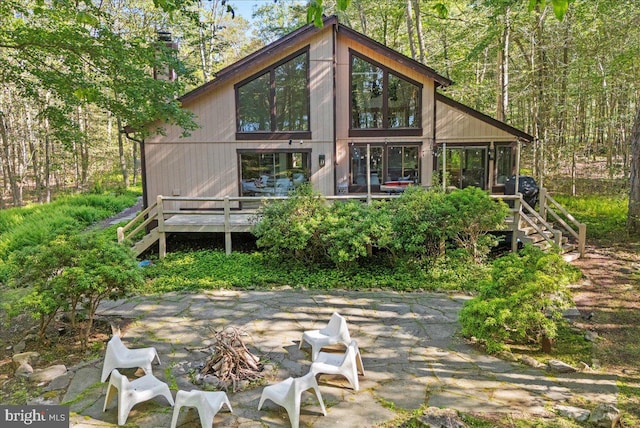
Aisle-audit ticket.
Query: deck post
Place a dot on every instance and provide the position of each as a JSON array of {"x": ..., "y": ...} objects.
[
  {"x": 227, "y": 225},
  {"x": 515, "y": 235},
  {"x": 543, "y": 203},
  {"x": 582, "y": 238},
  {"x": 162, "y": 238}
]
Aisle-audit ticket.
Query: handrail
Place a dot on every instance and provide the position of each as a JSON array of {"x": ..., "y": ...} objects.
[
  {"x": 122, "y": 230},
  {"x": 557, "y": 235},
  {"x": 580, "y": 235}
]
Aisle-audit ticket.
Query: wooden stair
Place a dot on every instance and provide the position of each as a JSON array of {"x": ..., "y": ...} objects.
[
  {"x": 529, "y": 235},
  {"x": 147, "y": 241}
]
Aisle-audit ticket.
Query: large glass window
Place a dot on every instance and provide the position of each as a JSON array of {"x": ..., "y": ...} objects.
[
  {"x": 387, "y": 164},
  {"x": 367, "y": 89},
  {"x": 275, "y": 103},
  {"x": 382, "y": 100},
  {"x": 254, "y": 111},
  {"x": 466, "y": 166},
  {"x": 273, "y": 173},
  {"x": 504, "y": 164}
]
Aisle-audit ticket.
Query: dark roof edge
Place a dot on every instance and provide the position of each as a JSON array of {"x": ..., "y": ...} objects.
[
  {"x": 276, "y": 45},
  {"x": 396, "y": 56},
  {"x": 488, "y": 119}
]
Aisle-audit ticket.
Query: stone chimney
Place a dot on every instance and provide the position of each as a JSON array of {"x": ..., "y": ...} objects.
[{"x": 167, "y": 73}]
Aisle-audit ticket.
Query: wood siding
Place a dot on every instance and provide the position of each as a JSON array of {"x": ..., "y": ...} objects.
[
  {"x": 343, "y": 115},
  {"x": 453, "y": 125},
  {"x": 205, "y": 163}
]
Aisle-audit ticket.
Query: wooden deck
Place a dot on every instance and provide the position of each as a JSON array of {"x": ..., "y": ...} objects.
[
  {"x": 157, "y": 220},
  {"x": 193, "y": 223}
]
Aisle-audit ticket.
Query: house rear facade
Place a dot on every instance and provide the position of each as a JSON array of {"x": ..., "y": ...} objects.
[{"x": 332, "y": 107}]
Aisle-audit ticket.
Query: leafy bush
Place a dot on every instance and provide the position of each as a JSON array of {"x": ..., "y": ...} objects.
[
  {"x": 290, "y": 228},
  {"x": 73, "y": 273},
  {"x": 474, "y": 216},
  {"x": 521, "y": 302},
  {"x": 420, "y": 219},
  {"x": 352, "y": 230}
]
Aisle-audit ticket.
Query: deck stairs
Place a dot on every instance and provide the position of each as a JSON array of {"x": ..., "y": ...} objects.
[
  {"x": 549, "y": 227},
  {"x": 147, "y": 241}
]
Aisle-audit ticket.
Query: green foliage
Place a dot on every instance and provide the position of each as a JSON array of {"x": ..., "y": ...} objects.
[
  {"x": 351, "y": 230},
  {"x": 48, "y": 50},
  {"x": 73, "y": 273},
  {"x": 416, "y": 225},
  {"x": 208, "y": 270},
  {"x": 420, "y": 219},
  {"x": 475, "y": 215},
  {"x": 604, "y": 215},
  {"x": 291, "y": 228},
  {"x": 27, "y": 227},
  {"x": 521, "y": 301}
]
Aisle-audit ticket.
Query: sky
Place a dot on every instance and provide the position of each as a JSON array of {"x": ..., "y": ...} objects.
[{"x": 244, "y": 8}]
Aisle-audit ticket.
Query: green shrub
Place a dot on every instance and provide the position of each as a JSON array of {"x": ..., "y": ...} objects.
[
  {"x": 419, "y": 221},
  {"x": 352, "y": 230},
  {"x": 290, "y": 229},
  {"x": 521, "y": 302},
  {"x": 21, "y": 228},
  {"x": 473, "y": 217},
  {"x": 73, "y": 273}
]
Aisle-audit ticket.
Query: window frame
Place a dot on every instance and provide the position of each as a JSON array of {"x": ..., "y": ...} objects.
[
  {"x": 384, "y": 131},
  {"x": 275, "y": 134},
  {"x": 362, "y": 188},
  {"x": 240, "y": 152}
]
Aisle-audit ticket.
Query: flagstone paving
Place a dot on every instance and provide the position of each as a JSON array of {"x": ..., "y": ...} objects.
[{"x": 410, "y": 346}]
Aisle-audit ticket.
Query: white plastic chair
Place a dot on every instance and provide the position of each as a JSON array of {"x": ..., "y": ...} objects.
[
  {"x": 134, "y": 392},
  {"x": 208, "y": 404},
  {"x": 287, "y": 394},
  {"x": 119, "y": 356},
  {"x": 336, "y": 332},
  {"x": 348, "y": 364}
]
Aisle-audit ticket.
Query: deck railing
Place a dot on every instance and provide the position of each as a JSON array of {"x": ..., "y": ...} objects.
[
  {"x": 569, "y": 223},
  {"x": 160, "y": 211}
]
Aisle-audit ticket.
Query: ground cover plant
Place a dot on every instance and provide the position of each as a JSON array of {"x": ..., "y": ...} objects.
[
  {"x": 604, "y": 215},
  {"x": 38, "y": 224}
]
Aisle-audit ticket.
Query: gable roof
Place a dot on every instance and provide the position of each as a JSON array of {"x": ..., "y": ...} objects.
[
  {"x": 483, "y": 117},
  {"x": 298, "y": 37}
]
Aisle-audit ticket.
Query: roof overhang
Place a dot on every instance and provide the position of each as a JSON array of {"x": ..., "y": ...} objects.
[{"x": 299, "y": 37}]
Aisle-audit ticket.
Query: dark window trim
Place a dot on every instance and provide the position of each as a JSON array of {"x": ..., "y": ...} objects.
[
  {"x": 370, "y": 132},
  {"x": 293, "y": 150},
  {"x": 275, "y": 134},
  {"x": 265, "y": 135},
  {"x": 387, "y": 132}
]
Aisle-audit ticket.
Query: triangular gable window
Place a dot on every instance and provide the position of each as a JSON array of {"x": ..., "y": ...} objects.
[
  {"x": 274, "y": 104},
  {"x": 382, "y": 100}
]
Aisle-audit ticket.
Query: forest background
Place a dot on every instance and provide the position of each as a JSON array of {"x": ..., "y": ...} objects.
[{"x": 75, "y": 75}]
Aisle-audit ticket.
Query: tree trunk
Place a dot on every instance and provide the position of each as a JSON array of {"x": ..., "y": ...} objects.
[
  {"x": 10, "y": 168},
  {"x": 503, "y": 68},
  {"x": 123, "y": 160},
  {"x": 633, "y": 217},
  {"x": 412, "y": 45},
  {"x": 418, "y": 20}
]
